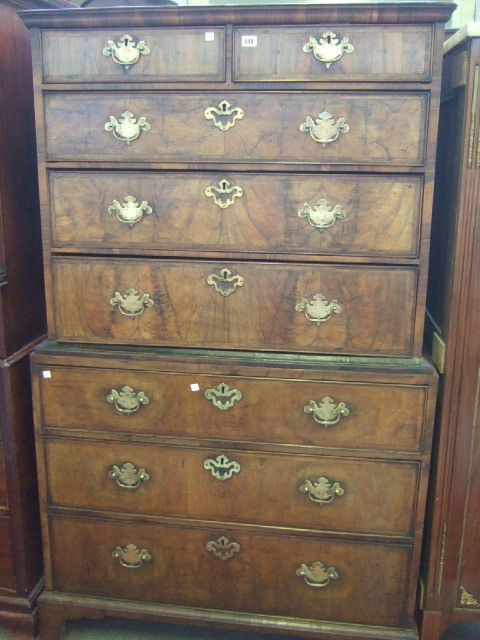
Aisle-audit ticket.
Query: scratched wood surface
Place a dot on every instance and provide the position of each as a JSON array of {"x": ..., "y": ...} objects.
[
  {"x": 280, "y": 403},
  {"x": 384, "y": 129},
  {"x": 389, "y": 54},
  {"x": 275, "y": 479},
  {"x": 173, "y": 577},
  {"x": 376, "y": 317},
  {"x": 381, "y": 213},
  {"x": 179, "y": 55}
]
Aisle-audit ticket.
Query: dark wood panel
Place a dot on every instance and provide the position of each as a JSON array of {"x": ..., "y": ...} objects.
[
  {"x": 3, "y": 480},
  {"x": 19, "y": 459},
  {"x": 22, "y": 300},
  {"x": 468, "y": 580},
  {"x": 381, "y": 214},
  {"x": 373, "y": 497},
  {"x": 77, "y": 398},
  {"x": 265, "y": 313},
  {"x": 7, "y": 568},
  {"x": 179, "y": 55},
  {"x": 391, "y": 53},
  {"x": 451, "y": 558},
  {"x": 182, "y": 571},
  {"x": 383, "y": 129}
]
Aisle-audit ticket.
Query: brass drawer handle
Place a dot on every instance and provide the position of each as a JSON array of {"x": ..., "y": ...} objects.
[
  {"x": 126, "y": 128},
  {"x": 221, "y": 467},
  {"x": 328, "y": 49},
  {"x": 222, "y": 397},
  {"x": 224, "y": 194},
  {"x": 224, "y": 110},
  {"x": 323, "y": 491},
  {"x": 317, "y": 574},
  {"x": 131, "y": 557},
  {"x": 325, "y": 129},
  {"x": 222, "y": 548},
  {"x": 127, "y": 400},
  {"x": 126, "y": 52},
  {"x": 128, "y": 477},
  {"x": 326, "y": 412},
  {"x": 318, "y": 310},
  {"x": 322, "y": 215},
  {"x": 130, "y": 212},
  {"x": 225, "y": 282},
  {"x": 131, "y": 303}
]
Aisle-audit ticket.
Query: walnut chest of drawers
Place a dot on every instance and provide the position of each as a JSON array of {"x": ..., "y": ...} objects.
[{"x": 233, "y": 413}]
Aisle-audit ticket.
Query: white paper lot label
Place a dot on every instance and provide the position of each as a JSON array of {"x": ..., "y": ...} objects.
[{"x": 249, "y": 41}]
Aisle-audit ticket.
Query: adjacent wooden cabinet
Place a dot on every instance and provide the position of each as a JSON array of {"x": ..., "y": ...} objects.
[
  {"x": 452, "y": 558},
  {"x": 22, "y": 324},
  {"x": 233, "y": 415}
]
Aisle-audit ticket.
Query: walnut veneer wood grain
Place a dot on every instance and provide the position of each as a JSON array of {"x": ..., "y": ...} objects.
[
  {"x": 385, "y": 129},
  {"x": 179, "y": 486},
  {"x": 376, "y": 318},
  {"x": 76, "y": 398},
  {"x": 382, "y": 213},
  {"x": 179, "y": 55},
  {"x": 373, "y": 574},
  {"x": 389, "y": 54}
]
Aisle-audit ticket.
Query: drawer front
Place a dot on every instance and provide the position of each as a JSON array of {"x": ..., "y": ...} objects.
[
  {"x": 378, "y": 129},
  {"x": 3, "y": 480},
  {"x": 162, "y": 55},
  {"x": 304, "y": 492},
  {"x": 7, "y": 569},
  {"x": 321, "y": 53},
  {"x": 302, "y": 214},
  {"x": 183, "y": 572},
  {"x": 235, "y": 408},
  {"x": 357, "y": 310}
]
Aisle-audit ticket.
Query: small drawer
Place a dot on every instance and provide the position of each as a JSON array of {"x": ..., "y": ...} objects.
[
  {"x": 176, "y": 565},
  {"x": 357, "y": 310},
  {"x": 134, "y": 55},
  {"x": 333, "y": 52},
  {"x": 371, "y": 129},
  {"x": 303, "y": 492},
  {"x": 304, "y": 215},
  {"x": 245, "y": 409}
]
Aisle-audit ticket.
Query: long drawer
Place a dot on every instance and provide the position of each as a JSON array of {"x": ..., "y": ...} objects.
[
  {"x": 272, "y": 307},
  {"x": 232, "y": 408},
  {"x": 304, "y": 215},
  {"x": 303, "y": 492},
  {"x": 308, "y": 128},
  {"x": 101, "y": 55},
  {"x": 173, "y": 565}
]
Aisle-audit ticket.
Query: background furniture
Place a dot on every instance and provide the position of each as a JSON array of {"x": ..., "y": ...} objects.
[
  {"x": 452, "y": 557},
  {"x": 22, "y": 323},
  {"x": 236, "y": 215}
]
